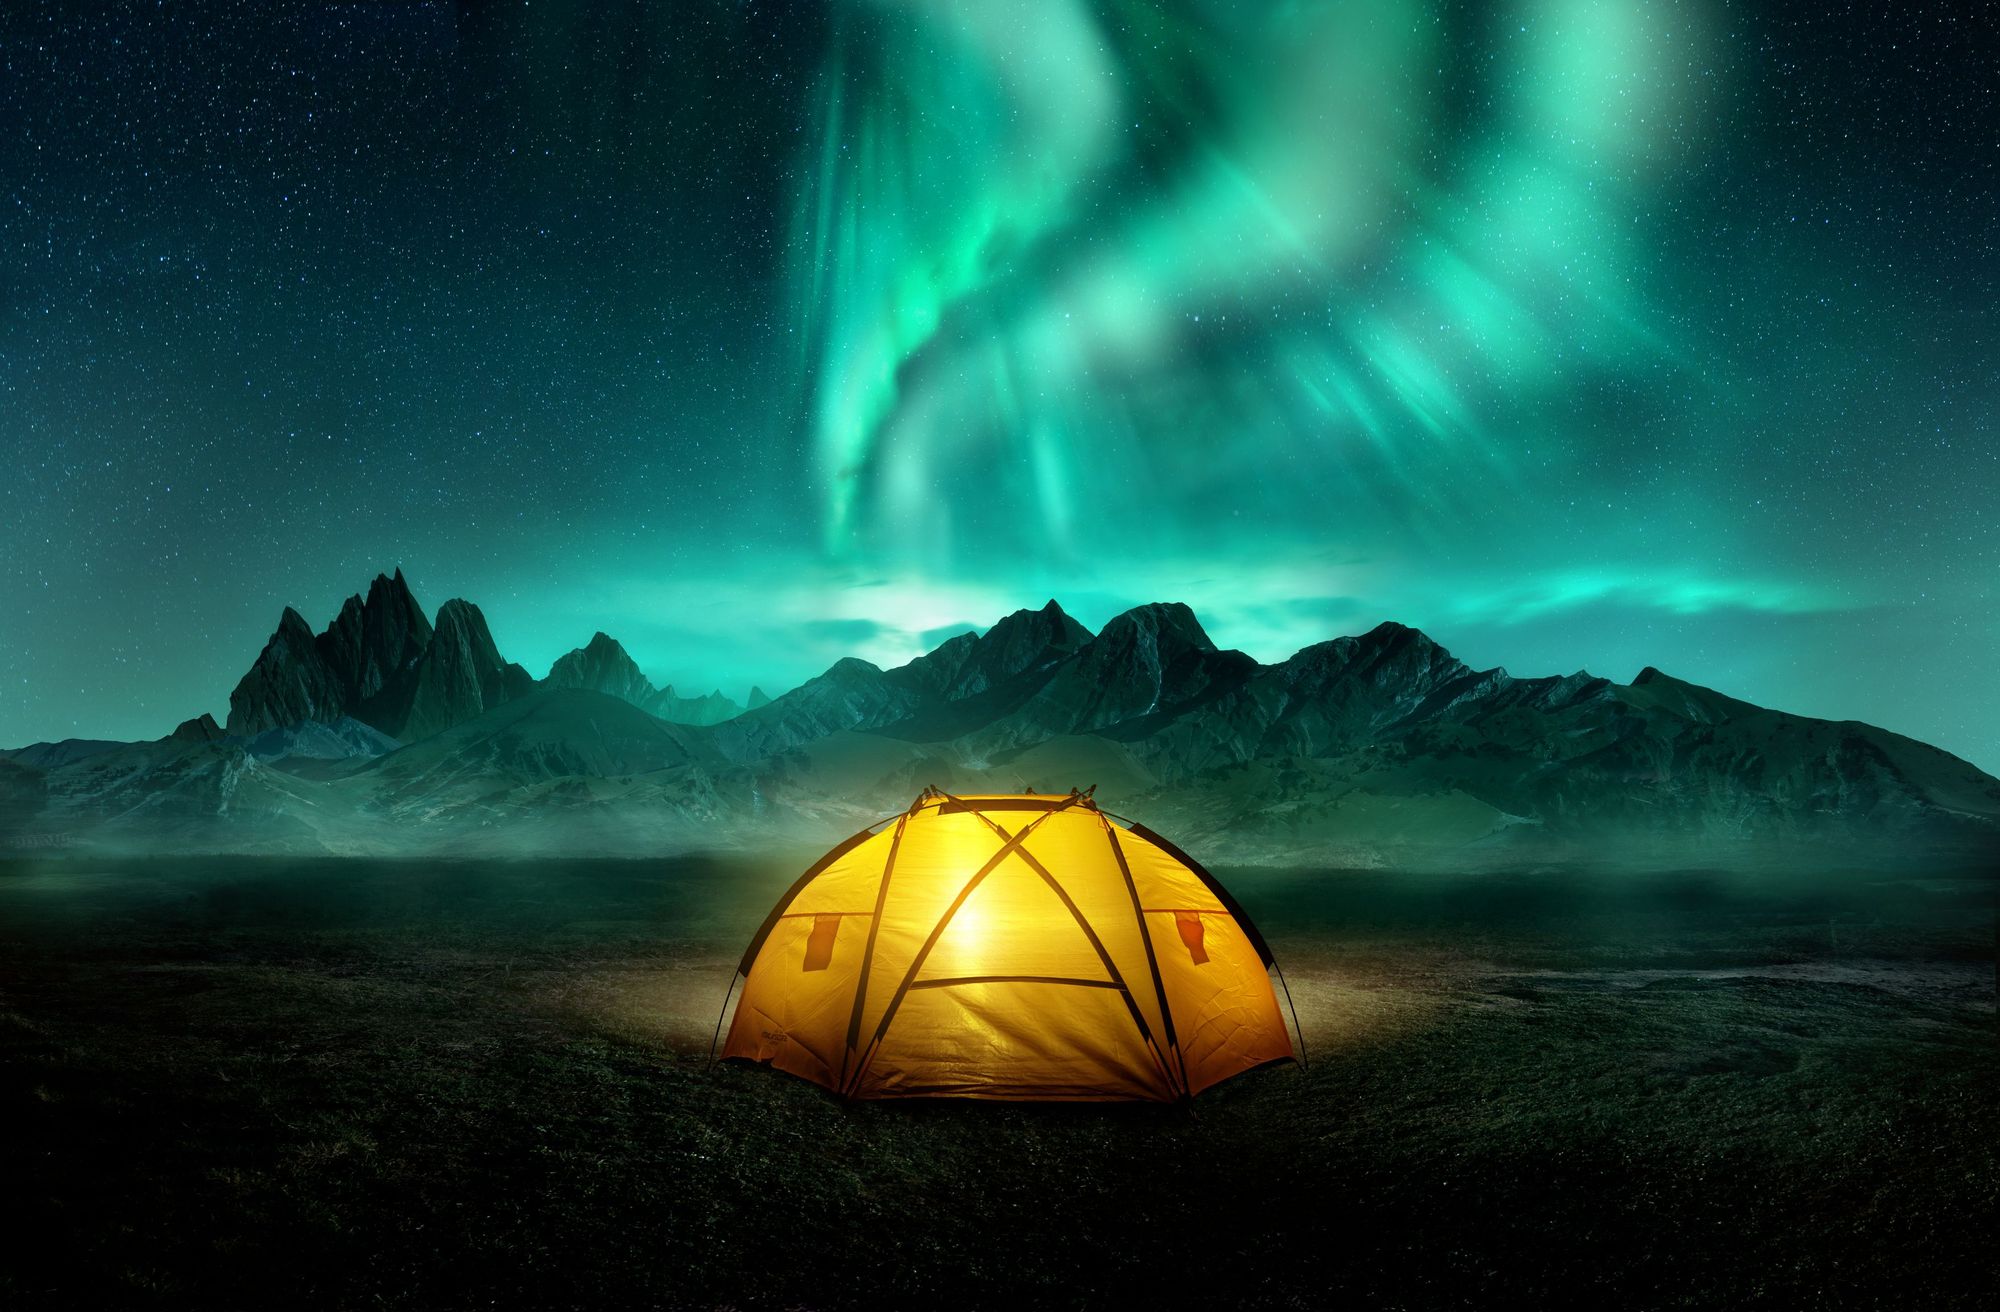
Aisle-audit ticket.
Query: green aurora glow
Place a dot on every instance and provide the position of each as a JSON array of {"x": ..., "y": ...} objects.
[{"x": 1578, "y": 332}]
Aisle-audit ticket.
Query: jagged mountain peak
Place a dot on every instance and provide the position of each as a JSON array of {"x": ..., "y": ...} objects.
[
  {"x": 851, "y": 667},
  {"x": 1167, "y": 621},
  {"x": 1150, "y": 662},
  {"x": 381, "y": 661},
  {"x": 460, "y": 674},
  {"x": 1388, "y": 653},
  {"x": 1389, "y": 636},
  {"x": 1653, "y": 688},
  {"x": 971, "y": 663},
  {"x": 289, "y": 681},
  {"x": 201, "y": 729},
  {"x": 1390, "y": 631},
  {"x": 390, "y": 599},
  {"x": 603, "y": 665},
  {"x": 371, "y": 643},
  {"x": 459, "y": 611},
  {"x": 460, "y": 620},
  {"x": 1051, "y": 621}
]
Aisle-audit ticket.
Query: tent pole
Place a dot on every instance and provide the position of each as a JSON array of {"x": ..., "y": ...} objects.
[
  {"x": 1292, "y": 1007},
  {"x": 728, "y": 992},
  {"x": 1152, "y": 958},
  {"x": 868, "y": 953},
  {"x": 1013, "y": 842}
]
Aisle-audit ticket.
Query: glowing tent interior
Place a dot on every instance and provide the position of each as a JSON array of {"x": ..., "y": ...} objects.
[{"x": 1008, "y": 947}]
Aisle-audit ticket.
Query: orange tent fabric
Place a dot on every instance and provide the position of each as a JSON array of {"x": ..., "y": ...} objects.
[{"x": 1012, "y": 947}]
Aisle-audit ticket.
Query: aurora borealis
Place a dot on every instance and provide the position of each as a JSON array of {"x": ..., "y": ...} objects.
[{"x": 1579, "y": 333}]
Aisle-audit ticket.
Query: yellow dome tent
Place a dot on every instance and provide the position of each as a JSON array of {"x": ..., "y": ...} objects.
[{"x": 1019, "y": 947}]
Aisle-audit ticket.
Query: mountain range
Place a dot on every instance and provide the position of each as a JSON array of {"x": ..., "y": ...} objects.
[
  {"x": 381, "y": 662},
  {"x": 389, "y": 732}
]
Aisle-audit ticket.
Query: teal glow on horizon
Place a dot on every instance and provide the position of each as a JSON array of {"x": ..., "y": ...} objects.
[{"x": 1579, "y": 333}]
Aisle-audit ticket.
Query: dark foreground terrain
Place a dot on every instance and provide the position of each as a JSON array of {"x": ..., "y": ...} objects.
[{"x": 265, "y": 1084}]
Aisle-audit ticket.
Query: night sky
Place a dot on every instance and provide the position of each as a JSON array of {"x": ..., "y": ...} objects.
[{"x": 1579, "y": 334}]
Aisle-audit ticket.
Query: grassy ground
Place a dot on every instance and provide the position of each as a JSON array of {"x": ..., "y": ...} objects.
[{"x": 350, "y": 1085}]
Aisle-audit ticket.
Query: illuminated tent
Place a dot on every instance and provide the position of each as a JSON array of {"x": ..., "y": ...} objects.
[{"x": 1018, "y": 947}]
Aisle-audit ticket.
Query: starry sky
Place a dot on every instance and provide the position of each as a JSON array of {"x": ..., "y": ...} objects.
[{"x": 1579, "y": 333}]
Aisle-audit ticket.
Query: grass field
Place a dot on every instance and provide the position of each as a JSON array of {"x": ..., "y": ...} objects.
[{"x": 275, "y": 1084}]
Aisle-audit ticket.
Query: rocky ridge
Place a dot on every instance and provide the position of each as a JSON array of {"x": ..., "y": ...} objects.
[{"x": 1375, "y": 748}]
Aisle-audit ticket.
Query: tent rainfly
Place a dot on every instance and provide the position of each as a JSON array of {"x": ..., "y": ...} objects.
[{"x": 1012, "y": 947}]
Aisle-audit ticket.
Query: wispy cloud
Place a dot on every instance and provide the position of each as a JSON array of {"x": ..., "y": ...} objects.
[
  {"x": 732, "y": 622},
  {"x": 1540, "y": 596}
]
